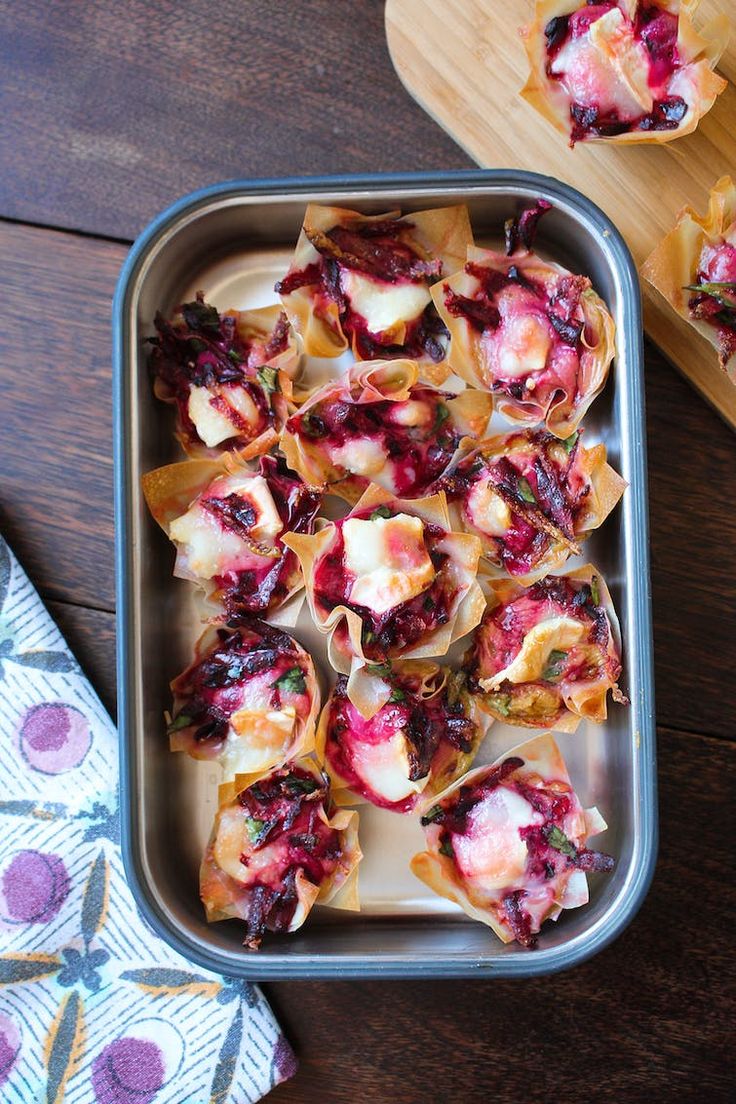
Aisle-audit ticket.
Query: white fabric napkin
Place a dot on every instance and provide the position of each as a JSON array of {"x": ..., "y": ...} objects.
[{"x": 94, "y": 1007}]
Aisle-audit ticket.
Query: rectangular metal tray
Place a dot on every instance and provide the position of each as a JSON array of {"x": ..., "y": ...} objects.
[{"x": 233, "y": 241}]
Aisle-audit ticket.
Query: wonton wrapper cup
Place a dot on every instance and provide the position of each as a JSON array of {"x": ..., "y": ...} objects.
[
  {"x": 237, "y": 750},
  {"x": 448, "y": 763},
  {"x": 225, "y": 898},
  {"x": 442, "y": 232},
  {"x": 606, "y": 488},
  {"x": 463, "y": 551},
  {"x": 582, "y": 700},
  {"x": 673, "y": 265},
  {"x": 254, "y": 325},
  {"x": 379, "y": 381},
  {"x": 561, "y": 416},
  {"x": 700, "y": 50},
  {"x": 541, "y": 756},
  {"x": 170, "y": 492}
]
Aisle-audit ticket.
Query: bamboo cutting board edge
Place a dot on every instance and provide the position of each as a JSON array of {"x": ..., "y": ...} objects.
[{"x": 428, "y": 43}]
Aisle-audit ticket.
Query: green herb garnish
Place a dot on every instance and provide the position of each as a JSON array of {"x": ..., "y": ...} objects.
[
  {"x": 269, "y": 379},
  {"x": 442, "y": 413},
  {"x": 254, "y": 827},
  {"x": 428, "y": 604},
  {"x": 569, "y": 443},
  {"x": 182, "y": 721},
  {"x": 380, "y": 670},
  {"x": 235, "y": 356},
  {"x": 313, "y": 425},
  {"x": 397, "y": 695},
  {"x": 446, "y": 848},
  {"x": 199, "y": 315},
  {"x": 301, "y": 785},
  {"x": 722, "y": 291},
  {"x": 433, "y": 814},
  {"x": 556, "y": 838},
  {"x": 381, "y": 512},
  {"x": 455, "y": 686},
  {"x": 525, "y": 491},
  {"x": 501, "y": 703},
  {"x": 595, "y": 593},
  {"x": 555, "y": 663},
  {"x": 291, "y": 682}
]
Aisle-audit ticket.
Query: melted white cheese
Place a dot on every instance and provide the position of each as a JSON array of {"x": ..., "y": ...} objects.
[
  {"x": 205, "y": 547},
  {"x": 487, "y": 510},
  {"x": 389, "y": 560},
  {"x": 383, "y": 305},
  {"x": 492, "y": 853},
  {"x": 523, "y": 344},
  {"x": 384, "y": 767},
  {"x": 607, "y": 67},
  {"x": 413, "y": 412},
  {"x": 268, "y": 522},
  {"x": 556, "y": 633},
  {"x": 362, "y": 456},
  {"x": 213, "y": 426}
]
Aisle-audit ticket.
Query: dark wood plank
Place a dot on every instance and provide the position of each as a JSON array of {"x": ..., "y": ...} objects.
[
  {"x": 648, "y": 1019},
  {"x": 56, "y": 440},
  {"x": 91, "y": 636},
  {"x": 112, "y": 112}
]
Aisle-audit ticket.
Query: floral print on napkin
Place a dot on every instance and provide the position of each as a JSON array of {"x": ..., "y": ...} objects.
[{"x": 94, "y": 1007}]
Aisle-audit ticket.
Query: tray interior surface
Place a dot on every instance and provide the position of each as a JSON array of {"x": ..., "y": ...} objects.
[{"x": 234, "y": 251}]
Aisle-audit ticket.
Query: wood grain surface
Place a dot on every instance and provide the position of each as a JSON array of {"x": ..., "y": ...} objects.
[
  {"x": 648, "y": 1018},
  {"x": 464, "y": 62}
]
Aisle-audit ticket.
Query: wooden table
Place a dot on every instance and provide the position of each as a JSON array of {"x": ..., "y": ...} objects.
[{"x": 109, "y": 112}]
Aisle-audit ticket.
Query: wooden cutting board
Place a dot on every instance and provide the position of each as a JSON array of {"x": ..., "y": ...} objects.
[{"x": 463, "y": 61}]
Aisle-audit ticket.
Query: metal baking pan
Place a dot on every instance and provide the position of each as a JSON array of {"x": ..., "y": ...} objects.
[{"x": 233, "y": 241}]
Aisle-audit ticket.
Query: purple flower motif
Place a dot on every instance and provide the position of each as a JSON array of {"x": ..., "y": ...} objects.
[
  {"x": 33, "y": 888},
  {"x": 54, "y": 737},
  {"x": 284, "y": 1063},
  {"x": 9, "y": 1047},
  {"x": 128, "y": 1071},
  {"x": 82, "y": 966}
]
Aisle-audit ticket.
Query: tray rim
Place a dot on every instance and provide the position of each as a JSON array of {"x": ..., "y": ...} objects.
[{"x": 274, "y": 964}]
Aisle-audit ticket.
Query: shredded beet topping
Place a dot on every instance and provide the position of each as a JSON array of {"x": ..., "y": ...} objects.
[
  {"x": 417, "y": 455},
  {"x": 426, "y": 723},
  {"x": 210, "y": 688},
  {"x": 657, "y": 30},
  {"x": 400, "y": 627},
  {"x": 202, "y": 348},
  {"x": 454, "y": 812},
  {"x": 540, "y": 481},
  {"x": 257, "y": 588},
  {"x": 519, "y": 919},
  {"x": 480, "y": 311},
  {"x": 383, "y": 251},
  {"x": 284, "y": 808},
  {"x": 520, "y": 232}
]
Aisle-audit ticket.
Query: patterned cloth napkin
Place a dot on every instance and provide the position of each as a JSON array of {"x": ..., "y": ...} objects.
[{"x": 94, "y": 1007}]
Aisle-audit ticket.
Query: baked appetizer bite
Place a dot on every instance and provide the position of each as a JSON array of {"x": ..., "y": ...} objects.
[
  {"x": 528, "y": 330},
  {"x": 531, "y": 498},
  {"x": 426, "y": 731},
  {"x": 378, "y": 424},
  {"x": 629, "y": 71},
  {"x": 694, "y": 268},
  {"x": 229, "y": 376},
  {"x": 389, "y": 581},
  {"x": 508, "y": 842},
  {"x": 276, "y": 849},
  {"x": 362, "y": 282},
  {"x": 250, "y": 700},
  {"x": 227, "y": 523},
  {"x": 545, "y": 656}
]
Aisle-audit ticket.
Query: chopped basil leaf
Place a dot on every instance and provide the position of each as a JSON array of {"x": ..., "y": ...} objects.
[
  {"x": 442, "y": 413},
  {"x": 428, "y": 604},
  {"x": 722, "y": 291},
  {"x": 435, "y": 813},
  {"x": 595, "y": 593},
  {"x": 381, "y": 670},
  {"x": 199, "y": 315},
  {"x": 570, "y": 442},
  {"x": 235, "y": 356},
  {"x": 397, "y": 695},
  {"x": 291, "y": 682},
  {"x": 381, "y": 512},
  {"x": 556, "y": 838},
  {"x": 368, "y": 636},
  {"x": 446, "y": 848},
  {"x": 182, "y": 721},
  {"x": 525, "y": 491},
  {"x": 501, "y": 703},
  {"x": 301, "y": 785},
  {"x": 254, "y": 827},
  {"x": 555, "y": 663},
  {"x": 269, "y": 379},
  {"x": 313, "y": 425}
]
